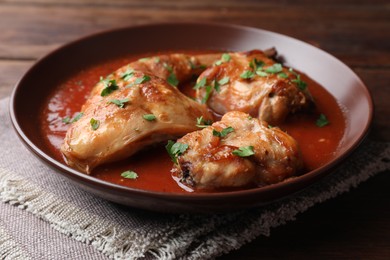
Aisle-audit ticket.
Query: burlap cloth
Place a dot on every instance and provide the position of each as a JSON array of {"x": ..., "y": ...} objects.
[{"x": 43, "y": 216}]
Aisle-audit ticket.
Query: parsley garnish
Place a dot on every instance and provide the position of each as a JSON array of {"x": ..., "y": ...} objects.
[
  {"x": 143, "y": 79},
  {"x": 119, "y": 102},
  {"x": 224, "y": 132},
  {"x": 261, "y": 73},
  {"x": 144, "y": 59},
  {"x": 244, "y": 151},
  {"x": 322, "y": 121},
  {"x": 224, "y": 58},
  {"x": 175, "y": 150},
  {"x": 206, "y": 97},
  {"x": 256, "y": 64},
  {"x": 109, "y": 86},
  {"x": 300, "y": 83},
  {"x": 167, "y": 67},
  {"x": 94, "y": 123},
  {"x": 129, "y": 175},
  {"x": 223, "y": 81},
  {"x": 201, "y": 123},
  {"x": 201, "y": 83},
  {"x": 149, "y": 117},
  {"x": 282, "y": 75},
  {"x": 172, "y": 79},
  {"x": 247, "y": 74},
  {"x": 68, "y": 120},
  {"x": 127, "y": 74},
  {"x": 157, "y": 59},
  {"x": 276, "y": 68}
]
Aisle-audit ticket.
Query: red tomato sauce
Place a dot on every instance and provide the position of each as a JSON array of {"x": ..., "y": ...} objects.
[{"x": 153, "y": 165}]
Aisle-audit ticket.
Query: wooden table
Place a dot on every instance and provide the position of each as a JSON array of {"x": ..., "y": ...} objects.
[{"x": 353, "y": 226}]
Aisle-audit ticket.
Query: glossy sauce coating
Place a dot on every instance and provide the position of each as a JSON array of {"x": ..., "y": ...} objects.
[{"x": 318, "y": 144}]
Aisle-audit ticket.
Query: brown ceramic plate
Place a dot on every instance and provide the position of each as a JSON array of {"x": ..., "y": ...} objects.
[{"x": 35, "y": 86}]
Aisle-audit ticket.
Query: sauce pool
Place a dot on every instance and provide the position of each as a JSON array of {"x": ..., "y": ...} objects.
[{"x": 318, "y": 144}]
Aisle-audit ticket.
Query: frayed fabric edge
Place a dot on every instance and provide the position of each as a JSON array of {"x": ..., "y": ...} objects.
[{"x": 104, "y": 236}]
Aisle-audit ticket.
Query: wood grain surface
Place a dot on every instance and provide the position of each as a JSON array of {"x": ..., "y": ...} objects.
[{"x": 353, "y": 226}]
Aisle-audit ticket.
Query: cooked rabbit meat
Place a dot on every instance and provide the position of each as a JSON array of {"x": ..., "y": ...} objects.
[
  {"x": 253, "y": 83},
  {"x": 238, "y": 150},
  {"x": 171, "y": 67},
  {"x": 125, "y": 113}
]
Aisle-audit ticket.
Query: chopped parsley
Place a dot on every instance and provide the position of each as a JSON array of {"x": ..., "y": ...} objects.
[
  {"x": 129, "y": 175},
  {"x": 244, "y": 151},
  {"x": 157, "y": 59},
  {"x": 144, "y": 59},
  {"x": 300, "y": 83},
  {"x": 167, "y": 67},
  {"x": 94, "y": 123},
  {"x": 223, "y": 81},
  {"x": 149, "y": 117},
  {"x": 172, "y": 79},
  {"x": 193, "y": 66},
  {"x": 224, "y": 58},
  {"x": 109, "y": 86},
  {"x": 248, "y": 74},
  {"x": 322, "y": 121},
  {"x": 261, "y": 73},
  {"x": 127, "y": 74},
  {"x": 201, "y": 123},
  {"x": 175, "y": 150},
  {"x": 206, "y": 97},
  {"x": 224, "y": 132},
  {"x": 201, "y": 83},
  {"x": 276, "y": 68},
  {"x": 68, "y": 120},
  {"x": 143, "y": 79},
  {"x": 256, "y": 64},
  {"x": 282, "y": 75},
  {"x": 119, "y": 102}
]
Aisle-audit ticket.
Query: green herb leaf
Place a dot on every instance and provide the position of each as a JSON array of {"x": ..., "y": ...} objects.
[
  {"x": 224, "y": 132},
  {"x": 94, "y": 123},
  {"x": 119, "y": 102},
  {"x": 206, "y": 97},
  {"x": 144, "y": 59},
  {"x": 129, "y": 175},
  {"x": 300, "y": 83},
  {"x": 68, "y": 120},
  {"x": 201, "y": 83},
  {"x": 277, "y": 67},
  {"x": 216, "y": 85},
  {"x": 322, "y": 121},
  {"x": 149, "y": 117},
  {"x": 157, "y": 59},
  {"x": 261, "y": 73},
  {"x": 110, "y": 86},
  {"x": 175, "y": 150},
  {"x": 143, "y": 79},
  {"x": 248, "y": 74},
  {"x": 224, "y": 81},
  {"x": 201, "y": 123},
  {"x": 244, "y": 151},
  {"x": 282, "y": 75},
  {"x": 256, "y": 64},
  {"x": 127, "y": 74},
  {"x": 224, "y": 58},
  {"x": 172, "y": 79},
  {"x": 167, "y": 67}
]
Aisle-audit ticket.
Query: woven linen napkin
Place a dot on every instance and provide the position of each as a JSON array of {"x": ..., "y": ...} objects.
[{"x": 43, "y": 216}]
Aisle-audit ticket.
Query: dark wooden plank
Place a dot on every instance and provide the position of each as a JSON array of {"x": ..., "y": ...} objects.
[{"x": 337, "y": 31}]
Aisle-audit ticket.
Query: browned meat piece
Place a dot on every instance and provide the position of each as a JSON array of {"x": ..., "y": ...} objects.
[
  {"x": 125, "y": 113},
  {"x": 238, "y": 150},
  {"x": 253, "y": 83}
]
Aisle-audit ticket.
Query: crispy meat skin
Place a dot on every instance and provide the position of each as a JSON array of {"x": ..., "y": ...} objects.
[
  {"x": 124, "y": 131},
  {"x": 210, "y": 163},
  {"x": 271, "y": 98}
]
